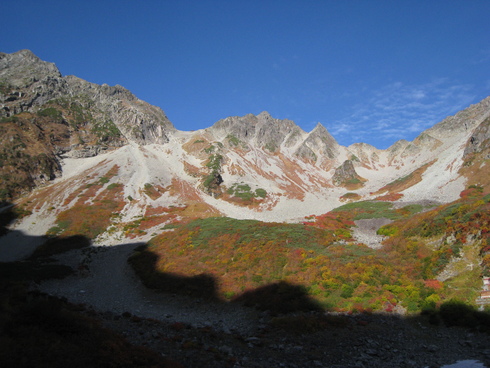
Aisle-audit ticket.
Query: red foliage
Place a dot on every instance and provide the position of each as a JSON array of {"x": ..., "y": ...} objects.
[{"x": 433, "y": 284}]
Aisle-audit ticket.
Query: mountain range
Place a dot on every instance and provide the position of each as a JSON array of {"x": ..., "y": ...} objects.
[
  {"x": 81, "y": 159},
  {"x": 98, "y": 187},
  {"x": 60, "y": 134}
]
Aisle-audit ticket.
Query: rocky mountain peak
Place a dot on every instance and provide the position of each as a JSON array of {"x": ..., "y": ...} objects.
[
  {"x": 28, "y": 84},
  {"x": 463, "y": 123},
  {"x": 23, "y": 68},
  {"x": 318, "y": 143},
  {"x": 262, "y": 129},
  {"x": 321, "y": 132},
  {"x": 264, "y": 116}
]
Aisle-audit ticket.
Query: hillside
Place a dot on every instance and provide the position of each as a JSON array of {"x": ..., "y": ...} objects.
[
  {"x": 62, "y": 134},
  {"x": 84, "y": 159}
]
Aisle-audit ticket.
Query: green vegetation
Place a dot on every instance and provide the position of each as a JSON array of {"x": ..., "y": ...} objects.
[
  {"x": 376, "y": 209},
  {"x": 245, "y": 193},
  {"x": 369, "y": 210},
  {"x": 253, "y": 231},
  {"x": 52, "y": 113},
  {"x": 214, "y": 162},
  {"x": 353, "y": 181},
  {"x": 210, "y": 149},
  {"x": 232, "y": 140},
  {"x": 212, "y": 181},
  {"x": 114, "y": 186},
  {"x": 106, "y": 130},
  {"x": 235, "y": 142},
  {"x": 10, "y": 119},
  {"x": 271, "y": 147}
]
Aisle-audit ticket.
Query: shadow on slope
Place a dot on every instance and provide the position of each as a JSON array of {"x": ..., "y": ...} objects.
[
  {"x": 38, "y": 330},
  {"x": 279, "y": 297}
]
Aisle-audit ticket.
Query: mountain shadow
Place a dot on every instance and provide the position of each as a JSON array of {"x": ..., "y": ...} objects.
[
  {"x": 7, "y": 216},
  {"x": 144, "y": 263},
  {"x": 39, "y": 330},
  {"x": 278, "y": 297}
]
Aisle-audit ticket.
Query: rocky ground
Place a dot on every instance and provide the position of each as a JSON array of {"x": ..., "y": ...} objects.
[
  {"x": 291, "y": 341},
  {"x": 365, "y": 231},
  {"x": 199, "y": 333}
]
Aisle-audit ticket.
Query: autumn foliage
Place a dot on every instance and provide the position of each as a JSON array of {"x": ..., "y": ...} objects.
[{"x": 246, "y": 257}]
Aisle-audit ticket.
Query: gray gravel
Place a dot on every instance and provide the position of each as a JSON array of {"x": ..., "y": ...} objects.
[{"x": 106, "y": 281}]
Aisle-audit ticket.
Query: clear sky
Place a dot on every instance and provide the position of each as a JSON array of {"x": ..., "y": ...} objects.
[{"x": 369, "y": 71}]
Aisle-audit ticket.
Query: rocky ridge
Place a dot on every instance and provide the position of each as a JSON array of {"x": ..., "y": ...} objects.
[
  {"x": 67, "y": 118},
  {"x": 28, "y": 83}
]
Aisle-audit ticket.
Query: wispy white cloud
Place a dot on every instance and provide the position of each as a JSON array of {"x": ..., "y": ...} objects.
[
  {"x": 483, "y": 57},
  {"x": 401, "y": 111}
]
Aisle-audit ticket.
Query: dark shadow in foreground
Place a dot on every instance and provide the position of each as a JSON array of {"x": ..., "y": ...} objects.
[
  {"x": 38, "y": 330},
  {"x": 278, "y": 297}
]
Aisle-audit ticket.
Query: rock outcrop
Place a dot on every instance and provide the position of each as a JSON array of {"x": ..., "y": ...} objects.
[
  {"x": 346, "y": 175},
  {"x": 480, "y": 139},
  {"x": 28, "y": 84},
  {"x": 259, "y": 130}
]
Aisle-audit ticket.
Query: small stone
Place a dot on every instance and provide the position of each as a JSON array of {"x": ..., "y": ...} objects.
[
  {"x": 372, "y": 352},
  {"x": 432, "y": 348},
  {"x": 226, "y": 350}
]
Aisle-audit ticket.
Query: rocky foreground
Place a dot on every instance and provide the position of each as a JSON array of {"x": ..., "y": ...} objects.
[
  {"x": 200, "y": 333},
  {"x": 291, "y": 341}
]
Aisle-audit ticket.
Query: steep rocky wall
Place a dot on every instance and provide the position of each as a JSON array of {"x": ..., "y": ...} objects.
[{"x": 28, "y": 83}]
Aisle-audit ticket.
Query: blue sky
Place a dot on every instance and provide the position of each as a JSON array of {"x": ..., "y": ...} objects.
[{"x": 369, "y": 71}]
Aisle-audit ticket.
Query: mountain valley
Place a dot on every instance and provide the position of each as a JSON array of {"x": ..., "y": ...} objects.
[{"x": 252, "y": 212}]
